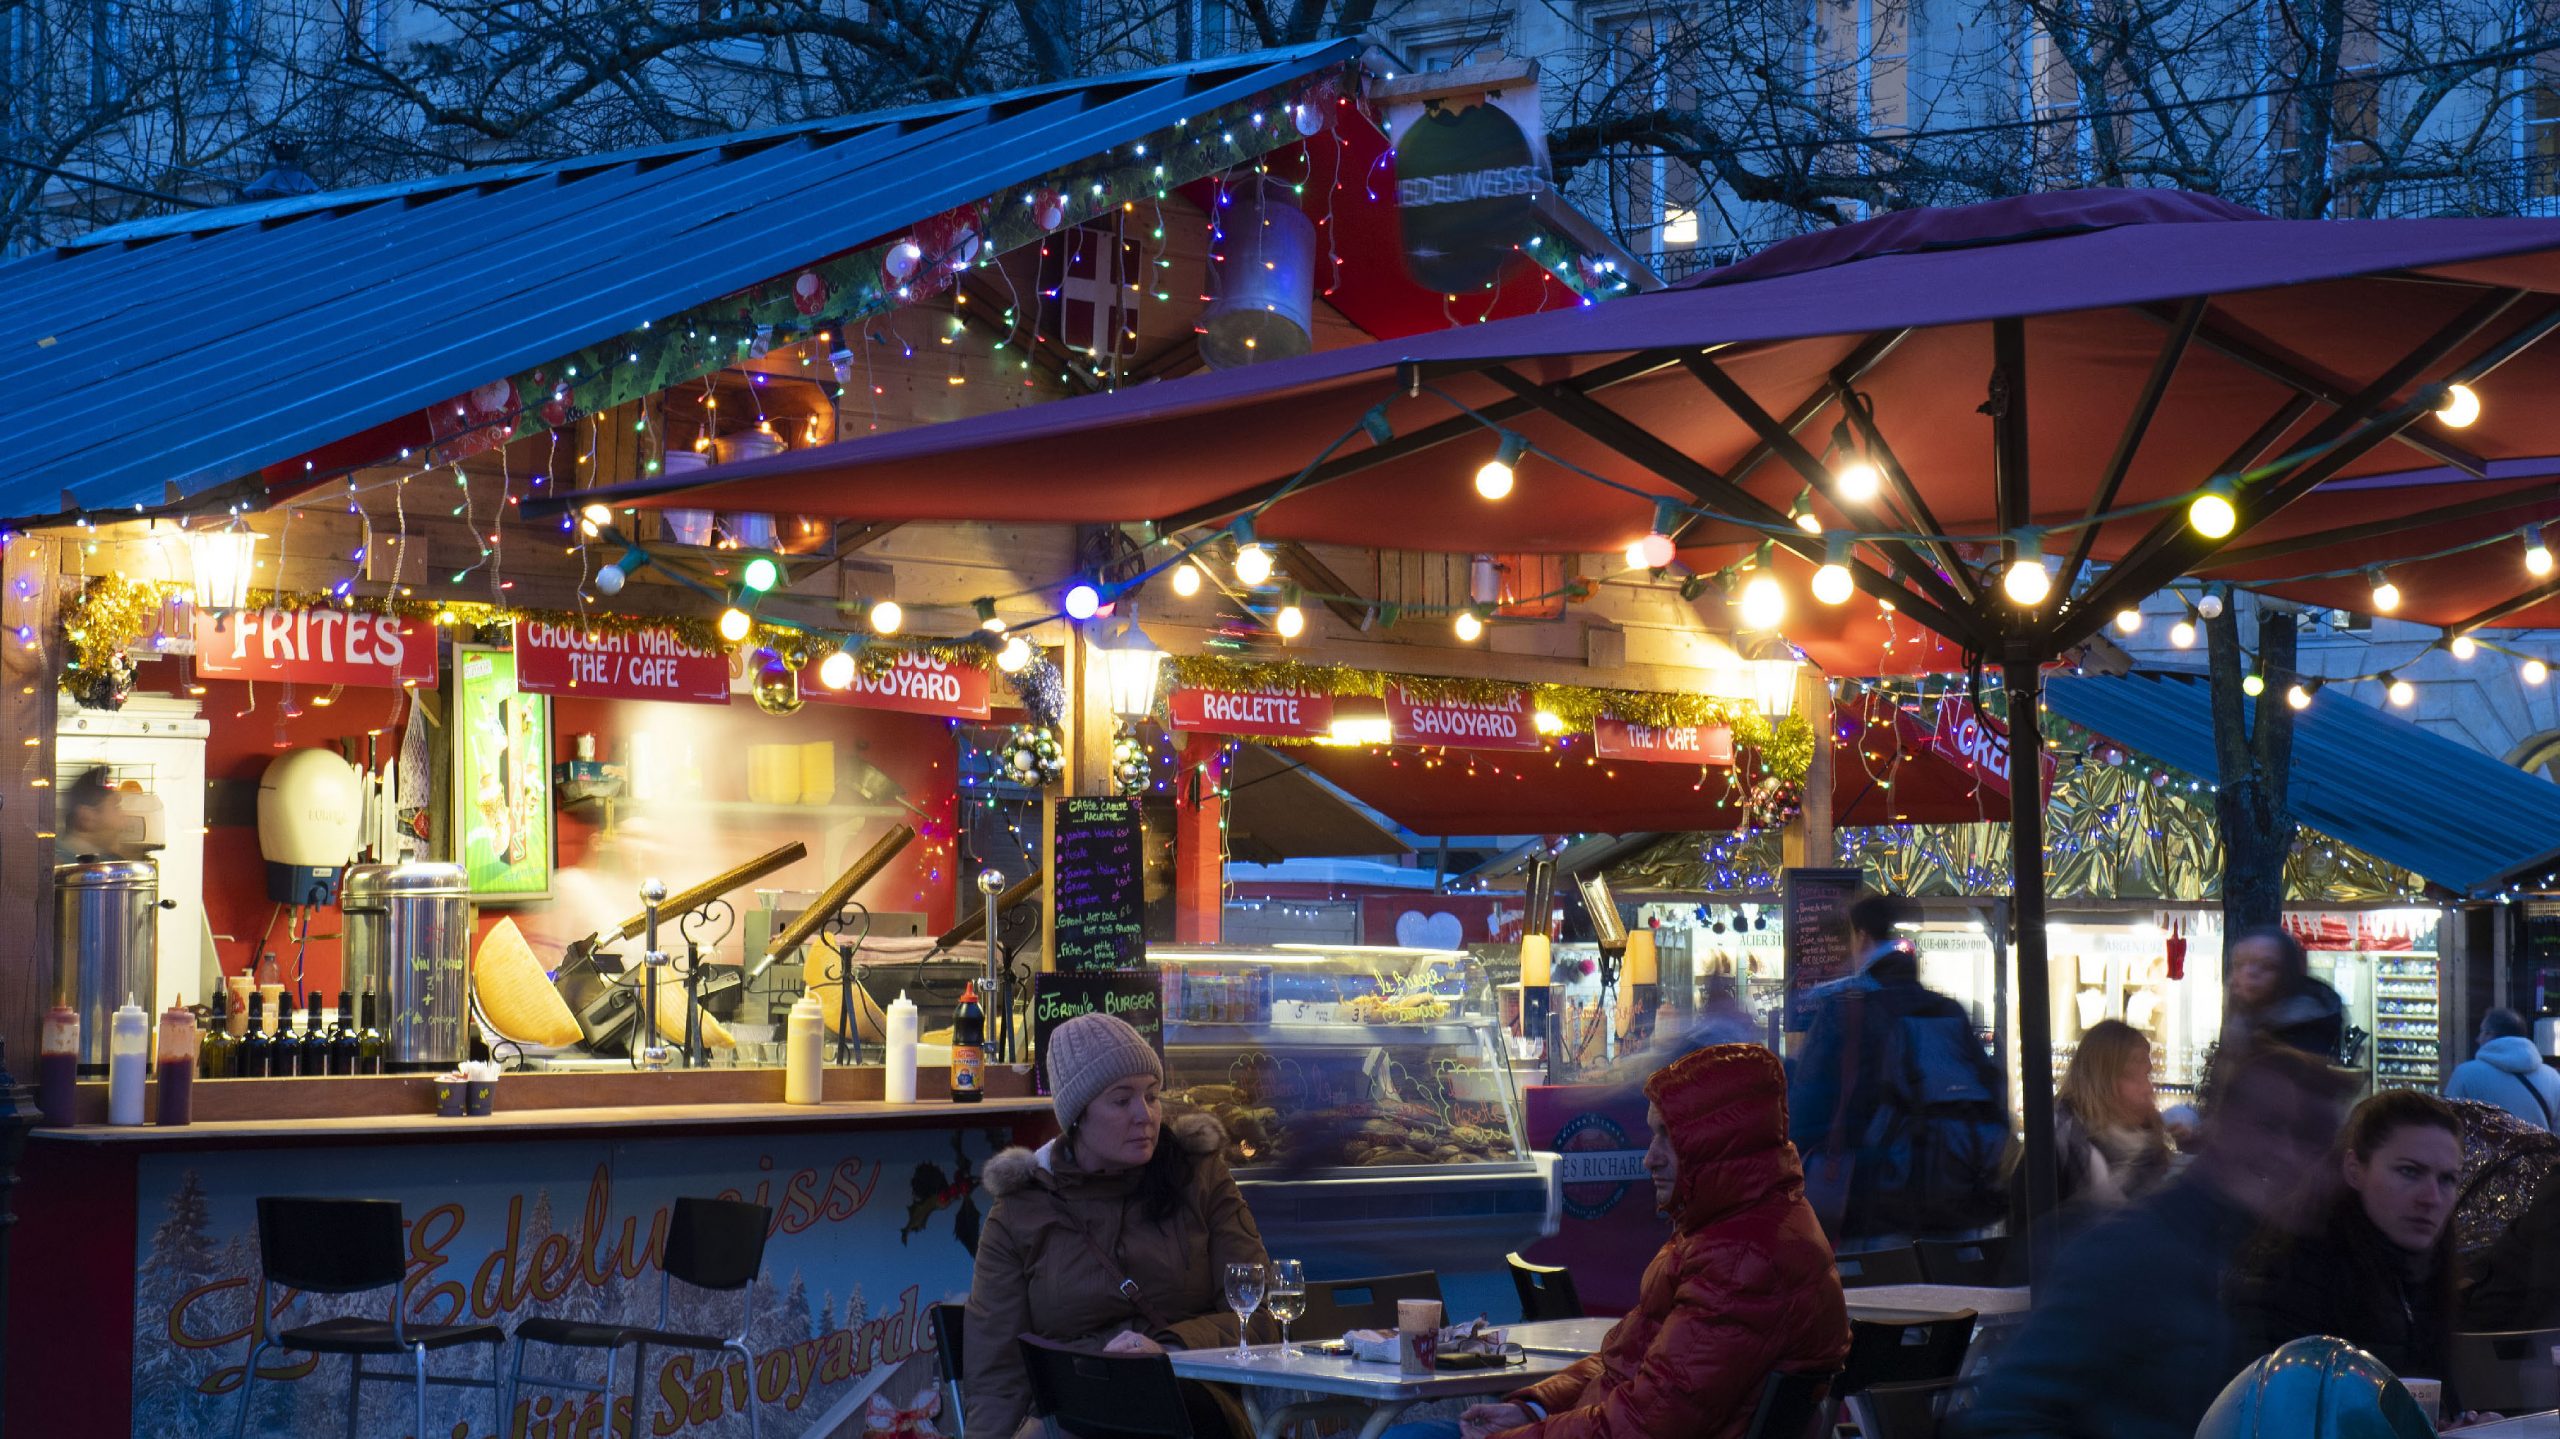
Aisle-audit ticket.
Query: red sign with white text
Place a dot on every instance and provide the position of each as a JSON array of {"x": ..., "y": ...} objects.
[
  {"x": 1975, "y": 746},
  {"x": 1285, "y": 714},
  {"x": 1665, "y": 744},
  {"x": 1505, "y": 723},
  {"x": 316, "y": 646},
  {"x": 914, "y": 684},
  {"x": 650, "y": 664}
]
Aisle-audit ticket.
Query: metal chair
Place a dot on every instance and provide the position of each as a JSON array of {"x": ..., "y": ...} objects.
[
  {"x": 1976, "y": 1262},
  {"x": 1104, "y": 1396},
  {"x": 2512, "y": 1372},
  {"x": 715, "y": 1244},
  {"x": 1790, "y": 1405},
  {"x": 1879, "y": 1267},
  {"x": 1336, "y": 1306},
  {"x": 949, "y": 1321},
  {"x": 349, "y": 1246},
  {"x": 1887, "y": 1353},
  {"x": 1546, "y": 1290},
  {"x": 1901, "y": 1411}
]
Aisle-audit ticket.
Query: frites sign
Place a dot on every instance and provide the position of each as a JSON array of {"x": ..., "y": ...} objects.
[
  {"x": 1279, "y": 714},
  {"x": 914, "y": 684},
  {"x": 1505, "y": 723},
  {"x": 1664, "y": 744},
  {"x": 316, "y": 646},
  {"x": 650, "y": 664}
]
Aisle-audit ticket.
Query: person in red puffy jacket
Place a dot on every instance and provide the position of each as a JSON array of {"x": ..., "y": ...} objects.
[{"x": 1745, "y": 1288}]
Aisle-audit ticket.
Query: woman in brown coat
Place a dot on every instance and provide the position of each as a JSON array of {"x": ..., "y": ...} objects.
[{"x": 1120, "y": 1196}]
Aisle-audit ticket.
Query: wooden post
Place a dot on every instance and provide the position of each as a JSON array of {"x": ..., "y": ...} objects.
[
  {"x": 1199, "y": 842},
  {"x": 1084, "y": 734},
  {"x": 29, "y": 608},
  {"x": 1806, "y": 841}
]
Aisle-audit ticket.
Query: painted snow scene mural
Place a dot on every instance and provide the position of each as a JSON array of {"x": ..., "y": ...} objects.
[{"x": 869, "y": 1231}]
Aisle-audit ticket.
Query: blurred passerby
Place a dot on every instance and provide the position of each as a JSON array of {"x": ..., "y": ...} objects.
[
  {"x": 2109, "y": 1140},
  {"x": 2130, "y": 1338},
  {"x": 1895, "y": 1105},
  {"x": 2507, "y": 1071},
  {"x": 2270, "y": 996}
]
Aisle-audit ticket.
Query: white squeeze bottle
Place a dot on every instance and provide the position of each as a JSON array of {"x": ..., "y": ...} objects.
[
  {"x": 804, "y": 1075},
  {"x": 902, "y": 1051},
  {"x": 128, "y": 1056}
]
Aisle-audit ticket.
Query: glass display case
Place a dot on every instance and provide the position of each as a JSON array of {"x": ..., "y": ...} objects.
[{"x": 1371, "y": 1112}]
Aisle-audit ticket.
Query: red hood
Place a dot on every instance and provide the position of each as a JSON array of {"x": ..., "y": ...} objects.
[{"x": 1726, "y": 1109}]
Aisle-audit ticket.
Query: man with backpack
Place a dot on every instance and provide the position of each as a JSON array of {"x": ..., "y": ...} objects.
[
  {"x": 2508, "y": 1071},
  {"x": 1899, "y": 1112}
]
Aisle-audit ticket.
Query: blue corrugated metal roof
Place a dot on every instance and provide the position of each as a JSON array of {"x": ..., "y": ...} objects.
[
  {"x": 200, "y": 348},
  {"x": 2390, "y": 788}
]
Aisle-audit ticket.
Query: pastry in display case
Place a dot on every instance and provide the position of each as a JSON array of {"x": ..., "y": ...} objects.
[{"x": 1367, "y": 1095}]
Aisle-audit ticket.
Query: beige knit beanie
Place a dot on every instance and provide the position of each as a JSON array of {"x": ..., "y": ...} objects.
[{"x": 1090, "y": 1053}]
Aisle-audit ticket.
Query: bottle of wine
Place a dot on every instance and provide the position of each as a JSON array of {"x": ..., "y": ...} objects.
[
  {"x": 250, "y": 1062},
  {"x": 342, "y": 1037},
  {"x": 368, "y": 1041},
  {"x": 284, "y": 1047},
  {"x": 214, "y": 1051},
  {"x": 311, "y": 1060}
]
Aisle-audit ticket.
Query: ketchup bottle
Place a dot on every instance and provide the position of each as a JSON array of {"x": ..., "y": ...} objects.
[{"x": 58, "y": 1066}]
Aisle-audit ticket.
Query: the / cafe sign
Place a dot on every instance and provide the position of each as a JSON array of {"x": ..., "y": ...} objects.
[
  {"x": 1275, "y": 713},
  {"x": 912, "y": 684},
  {"x": 1505, "y": 723},
  {"x": 316, "y": 646},
  {"x": 1661, "y": 744},
  {"x": 643, "y": 664},
  {"x": 1962, "y": 735}
]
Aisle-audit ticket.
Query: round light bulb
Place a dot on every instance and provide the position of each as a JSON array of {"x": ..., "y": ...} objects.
[
  {"x": 1833, "y": 584},
  {"x": 2253, "y": 685},
  {"x": 1857, "y": 483},
  {"x": 1469, "y": 628},
  {"x": 836, "y": 670},
  {"x": 2297, "y": 697},
  {"x": 1083, "y": 602},
  {"x": 886, "y": 617},
  {"x": 2461, "y": 406},
  {"x": 1015, "y": 654},
  {"x": 2128, "y": 622},
  {"x": 2537, "y": 558},
  {"x": 598, "y": 513},
  {"x": 1653, "y": 552},
  {"x": 1290, "y": 622},
  {"x": 1764, "y": 604},
  {"x": 1253, "y": 565},
  {"x": 1186, "y": 579},
  {"x": 2213, "y": 516},
  {"x": 609, "y": 580},
  {"x": 2209, "y": 605},
  {"x": 2400, "y": 692},
  {"x": 760, "y": 574},
  {"x": 2026, "y": 583},
  {"x": 2183, "y": 635},
  {"x": 1809, "y": 522},
  {"x": 734, "y": 624},
  {"x": 2386, "y": 596},
  {"x": 1494, "y": 479},
  {"x": 2464, "y": 647},
  {"x": 2535, "y": 672}
]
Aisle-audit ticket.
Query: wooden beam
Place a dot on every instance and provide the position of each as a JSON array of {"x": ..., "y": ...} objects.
[
  {"x": 2012, "y": 493},
  {"x": 29, "y": 704},
  {"x": 2541, "y": 502},
  {"x": 2146, "y": 407},
  {"x": 1898, "y": 479},
  {"x": 2548, "y": 589},
  {"x": 1300, "y": 561}
]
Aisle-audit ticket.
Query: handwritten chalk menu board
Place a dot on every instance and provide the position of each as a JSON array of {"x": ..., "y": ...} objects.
[
  {"x": 1820, "y": 947},
  {"x": 1094, "y": 884},
  {"x": 1135, "y": 995}
]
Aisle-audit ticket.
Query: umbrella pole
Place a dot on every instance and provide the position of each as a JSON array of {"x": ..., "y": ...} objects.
[{"x": 2022, "y": 662}]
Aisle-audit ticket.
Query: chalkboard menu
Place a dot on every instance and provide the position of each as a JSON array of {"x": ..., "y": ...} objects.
[
  {"x": 1820, "y": 947},
  {"x": 1131, "y": 994},
  {"x": 1095, "y": 884}
]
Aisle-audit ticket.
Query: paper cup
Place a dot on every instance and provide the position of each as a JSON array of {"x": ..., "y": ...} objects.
[
  {"x": 2429, "y": 1393},
  {"x": 1417, "y": 1335}
]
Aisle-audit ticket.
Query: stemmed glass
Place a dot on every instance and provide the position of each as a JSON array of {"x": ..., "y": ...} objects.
[
  {"x": 1288, "y": 1300},
  {"x": 1244, "y": 1295}
]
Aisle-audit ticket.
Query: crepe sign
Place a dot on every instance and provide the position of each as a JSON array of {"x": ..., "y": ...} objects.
[
  {"x": 1134, "y": 995},
  {"x": 912, "y": 684},
  {"x": 1096, "y": 886},
  {"x": 1278, "y": 714},
  {"x": 316, "y": 646},
  {"x": 646, "y": 664},
  {"x": 1963, "y": 736},
  {"x": 1662, "y": 744},
  {"x": 1505, "y": 723},
  {"x": 1819, "y": 945}
]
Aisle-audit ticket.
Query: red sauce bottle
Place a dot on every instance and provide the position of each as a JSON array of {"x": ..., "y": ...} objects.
[
  {"x": 176, "y": 1071},
  {"x": 58, "y": 1066}
]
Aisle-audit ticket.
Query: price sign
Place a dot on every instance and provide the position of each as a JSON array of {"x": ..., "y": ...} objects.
[
  {"x": 1135, "y": 995},
  {"x": 1819, "y": 945},
  {"x": 316, "y": 646},
  {"x": 1096, "y": 886},
  {"x": 1665, "y": 744},
  {"x": 1287, "y": 714},
  {"x": 648, "y": 664},
  {"x": 911, "y": 684},
  {"x": 1503, "y": 723}
]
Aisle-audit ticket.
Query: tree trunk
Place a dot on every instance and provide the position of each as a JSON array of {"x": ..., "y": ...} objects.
[{"x": 2253, "y": 754}]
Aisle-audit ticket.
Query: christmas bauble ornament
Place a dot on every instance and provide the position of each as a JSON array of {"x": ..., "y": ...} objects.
[{"x": 777, "y": 688}]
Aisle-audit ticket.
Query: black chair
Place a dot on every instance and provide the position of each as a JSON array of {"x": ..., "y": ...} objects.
[
  {"x": 1790, "y": 1405},
  {"x": 1901, "y": 1411},
  {"x": 949, "y": 1321},
  {"x": 1546, "y": 1290},
  {"x": 1104, "y": 1396},
  {"x": 349, "y": 1246},
  {"x": 1881, "y": 1352},
  {"x": 2513, "y": 1372},
  {"x": 1337, "y": 1306},
  {"x": 715, "y": 1244},
  {"x": 1879, "y": 1266},
  {"x": 1977, "y": 1262}
]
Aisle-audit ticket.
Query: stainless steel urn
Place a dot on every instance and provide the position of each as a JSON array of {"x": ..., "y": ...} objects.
[
  {"x": 106, "y": 945},
  {"x": 408, "y": 938}
]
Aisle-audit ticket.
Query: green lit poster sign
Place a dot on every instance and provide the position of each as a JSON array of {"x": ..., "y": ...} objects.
[{"x": 501, "y": 778}]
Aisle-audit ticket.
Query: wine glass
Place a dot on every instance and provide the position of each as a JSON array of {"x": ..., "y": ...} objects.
[
  {"x": 1244, "y": 1295},
  {"x": 1287, "y": 1300}
]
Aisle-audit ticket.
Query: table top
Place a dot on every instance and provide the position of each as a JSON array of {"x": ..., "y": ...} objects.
[
  {"x": 1379, "y": 1383},
  {"x": 410, "y": 1128},
  {"x": 1902, "y": 1301},
  {"x": 2539, "y": 1426},
  {"x": 1560, "y": 1336}
]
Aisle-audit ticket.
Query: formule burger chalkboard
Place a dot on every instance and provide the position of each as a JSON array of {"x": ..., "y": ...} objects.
[
  {"x": 1819, "y": 946},
  {"x": 1096, "y": 884},
  {"x": 1134, "y": 995}
]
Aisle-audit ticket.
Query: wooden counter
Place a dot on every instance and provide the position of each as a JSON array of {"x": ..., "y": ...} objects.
[{"x": 519, "y": 1123}]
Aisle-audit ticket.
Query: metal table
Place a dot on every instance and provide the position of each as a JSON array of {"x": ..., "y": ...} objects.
[
  {"x": 1913, "y": 1303},
  {"x": 1387, "y": 1390},
  {"x": 1576, "y": 1337}
]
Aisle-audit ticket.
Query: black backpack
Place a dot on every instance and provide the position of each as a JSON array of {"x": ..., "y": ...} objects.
[{"x": 1938, "y": 1147}]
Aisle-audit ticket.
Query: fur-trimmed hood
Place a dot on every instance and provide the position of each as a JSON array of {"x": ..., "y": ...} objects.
[{"x": 1017, "y": 1168}]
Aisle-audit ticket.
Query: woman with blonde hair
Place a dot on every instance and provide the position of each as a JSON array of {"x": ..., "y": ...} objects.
[{"x": 2109, "y": 1140}]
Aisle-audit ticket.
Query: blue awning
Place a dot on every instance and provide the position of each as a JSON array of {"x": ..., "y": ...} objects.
[
  {"x": 2450, "y": 814},
  {"x": 197, "y": 349}
]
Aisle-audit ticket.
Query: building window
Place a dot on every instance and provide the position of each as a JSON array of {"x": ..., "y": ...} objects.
[
  {"x": 107, "y": 29},
  {"x": 1654, "y": 200},
  {"x": 2058, "y": 140},
  {"x": 2538, "y": 135},
  {"x": 1861, "y": 58},
  {"x": 235, "y": 37}
]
